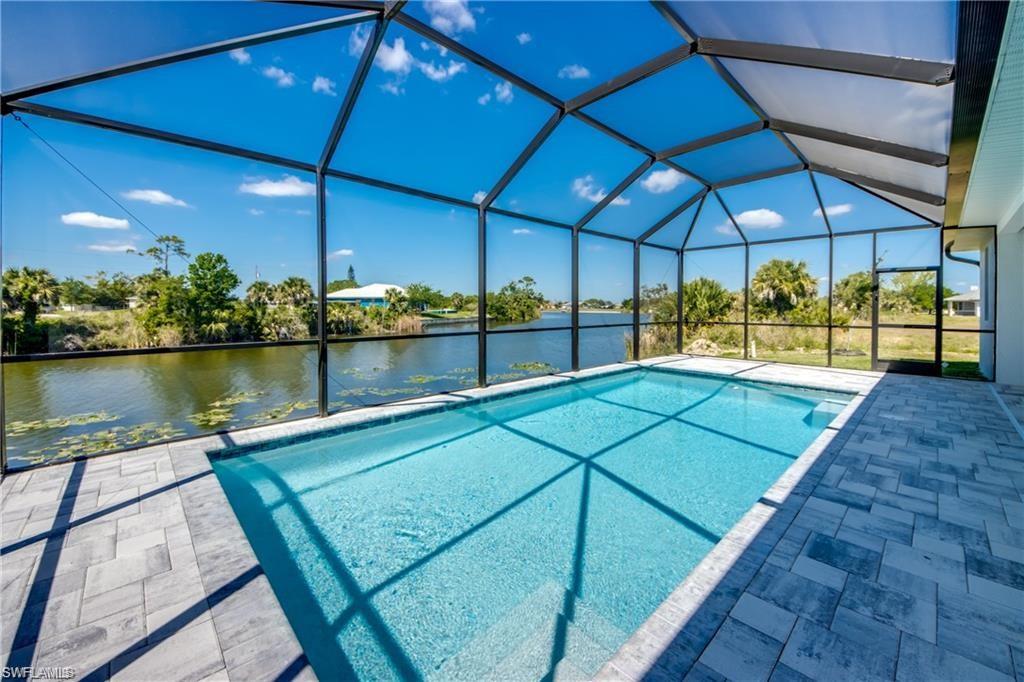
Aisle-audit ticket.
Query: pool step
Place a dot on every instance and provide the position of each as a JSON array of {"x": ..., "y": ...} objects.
[
  {"x": 519, "y": 646},
  {"x": 824, "y": 412}
]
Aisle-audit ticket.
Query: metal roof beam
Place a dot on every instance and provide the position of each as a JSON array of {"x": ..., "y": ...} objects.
[
  {"x": 189, "y": 53},
  {"x": 352, "y": 93},
  {"x": 896, "y": 68},
  {"x": 710, "y": 140},
  {"x": 675, "y": 213},
  {"x": 760, "y": 175},
  {"x": 477, "y": 58},
  {"x": 693, "y": 224},
  {"x": 542, "y": 135},
  {"x": 916, "y": 195},
  {"x": 732, "y": 220},
  {"x": 616, "y": 191},
  {"x": 898, "y": 151},
  {"x": 648, "y": 68},
  {"x": 154, "y": 134}
]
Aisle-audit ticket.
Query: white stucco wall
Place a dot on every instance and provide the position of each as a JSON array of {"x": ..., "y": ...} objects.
[{"x": 1010, "y": 300}]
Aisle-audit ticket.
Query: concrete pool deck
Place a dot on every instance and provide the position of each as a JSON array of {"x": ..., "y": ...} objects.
[{"x": 892, "y": 548}]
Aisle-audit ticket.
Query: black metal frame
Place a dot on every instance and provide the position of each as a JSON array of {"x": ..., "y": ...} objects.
[{"x": 382, "y": 13}]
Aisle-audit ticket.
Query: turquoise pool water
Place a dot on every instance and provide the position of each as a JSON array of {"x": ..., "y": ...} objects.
[{"x": 514, "y": 538}]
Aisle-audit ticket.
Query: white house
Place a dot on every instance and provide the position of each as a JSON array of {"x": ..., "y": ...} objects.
[
  {"x": 967, "y": 304},
  {"x": 367, "y": 296}
]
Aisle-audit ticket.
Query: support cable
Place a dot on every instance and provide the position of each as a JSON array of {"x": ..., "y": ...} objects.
[{"x": 88, "y": 179}]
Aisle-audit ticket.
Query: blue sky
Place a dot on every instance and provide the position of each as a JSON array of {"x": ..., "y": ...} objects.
[{"x": 427, "y": 118}]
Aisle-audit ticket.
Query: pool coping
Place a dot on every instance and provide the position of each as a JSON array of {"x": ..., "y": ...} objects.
[
  {"x": 212, "y": 510},
  {"x": 716, "y": 580}
]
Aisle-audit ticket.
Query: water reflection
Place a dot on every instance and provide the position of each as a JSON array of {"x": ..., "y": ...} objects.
[{"x": 62, "y": 408}]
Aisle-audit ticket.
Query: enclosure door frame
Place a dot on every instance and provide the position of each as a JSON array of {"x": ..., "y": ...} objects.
[{"x": 906, "y": 366}]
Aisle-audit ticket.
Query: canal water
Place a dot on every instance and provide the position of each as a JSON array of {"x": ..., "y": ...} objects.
[{"x": 58, "y": 409}]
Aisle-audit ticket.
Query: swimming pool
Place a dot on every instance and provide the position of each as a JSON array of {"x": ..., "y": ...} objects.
[{"x": 513, "y": 538}]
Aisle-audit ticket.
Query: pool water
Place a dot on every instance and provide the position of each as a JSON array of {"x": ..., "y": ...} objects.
[{"x": 513, "y": 539}]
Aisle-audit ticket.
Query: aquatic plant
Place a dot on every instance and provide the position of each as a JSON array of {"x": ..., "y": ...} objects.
[
  {"x": 20, "y": 428},
  {"x": 215, "y": 416},
  {"x": 283, "y": 410},
  {"x": 222, "y": 411},
  {"x": 106, "y": 440},
  {"x": 534, "y": 367}
]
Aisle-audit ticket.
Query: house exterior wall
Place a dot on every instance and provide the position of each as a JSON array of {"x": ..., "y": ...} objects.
[{"x": 1009, "y": 340}]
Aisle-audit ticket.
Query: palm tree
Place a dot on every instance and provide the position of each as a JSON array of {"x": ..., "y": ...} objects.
[
  {"x": 706, "y": 300},
  {"x": 28, "y": 289},
  {"x": 779, "y": 286},
  {"x": 259, "y": 293},
  {"x": 397, "y": 303},
  {"x": 293, "y": 291}
]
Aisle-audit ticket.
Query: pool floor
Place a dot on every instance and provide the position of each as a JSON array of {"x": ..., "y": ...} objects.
[{"x": 517, "y": 539}]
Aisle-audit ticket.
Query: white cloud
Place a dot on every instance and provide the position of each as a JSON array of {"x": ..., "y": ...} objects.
[
  {"x": 425, "y": 46},
  {"x": 585, "y": 188},
  {"x": 90, "y": 219},
  {"x": 759, "y": 219},
  {"x": 838, "y": 209},
  {"x": 524, "y": 38},
  {"x": 256, "y": 211},
  {"x": 240, "y": 55},
  {"x": 574, "y": 72},
  {"x": 153, "y": 196},
  {"x": 726, "y": 228},
  {"x": 522, "y": 230},
  {"x": 287, "y": 186},
  {"x": 479, "y": 196},
  {"x": 450, "y": 16},
  {"x": 340, "y": 253},
  {"x": 357, "y": 39},
  {"x": 284, "y": 79},
  {"x": 394, "y": 59},
  {"x": 662, "y": 181},
  {"x": 303, "y": 211},
  {"x": 503, "y": 92},
  {"x": 441, "y": 74},
  {"x": 325, "y": 85},
  {"x": 111, "y": 247},
  {"x": 483, "y": 99}
]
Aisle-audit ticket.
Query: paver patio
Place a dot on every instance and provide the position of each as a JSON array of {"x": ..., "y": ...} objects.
[{"x": 893, "y": 548}]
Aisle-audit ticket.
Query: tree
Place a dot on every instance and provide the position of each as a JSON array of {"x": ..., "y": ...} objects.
[
  {"x": 165, "y": 302},
  {"x": 706, "y": 300},
  {"x": 352, "y": 274},
  {"x": 780, "y": 285},
  {"x": 397, "y": 303},
  {"x": 339, "y": 284},
  {"x": 457, "y": 301},
  {"x": 911, "y": 292},
  {"x": 210, "y": 283},
  {"x": 294, "y": 291},
  {"x": 517, "y": 301},
  {"x": 422, "y": 297},
  {"x": 659, "y": 302},
  {"x": 76, "y": 292},
  {"x": 167, "y": 245},
  {"x": 27, "y": 289},
  {"x": 259, "y": 293},
  {"x": 853, "y": 294},
  {"x": 112, "y": 292}
]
